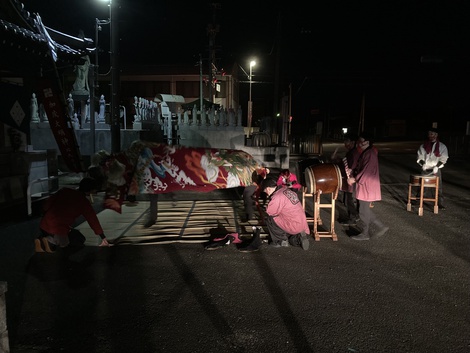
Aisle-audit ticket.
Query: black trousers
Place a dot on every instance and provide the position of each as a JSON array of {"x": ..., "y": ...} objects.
[
  {"x": 278, "y": 234},
  {"x": 248, "y": 201}
]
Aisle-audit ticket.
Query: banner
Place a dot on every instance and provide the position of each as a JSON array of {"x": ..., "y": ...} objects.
[{"x": 61, "y": 125}]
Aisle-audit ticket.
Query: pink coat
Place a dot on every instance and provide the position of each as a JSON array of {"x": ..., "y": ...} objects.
[
  {"x": 368, "y": 177},
  {"x": 287, "y": 211}
]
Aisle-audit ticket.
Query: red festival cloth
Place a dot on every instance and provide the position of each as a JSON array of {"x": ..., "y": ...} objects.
[{"x": 152, "y": 168}]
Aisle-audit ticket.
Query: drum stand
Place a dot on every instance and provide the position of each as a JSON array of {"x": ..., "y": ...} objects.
[
  {"x": 317, "y": 206},
  {"x": 423, "y": 182},
  {"x": 317, "y": 216}
]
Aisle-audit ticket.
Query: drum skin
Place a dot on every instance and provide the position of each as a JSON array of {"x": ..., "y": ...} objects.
[
  {"x": 304, "y": 164},
  {"x": 427, "y": 179},
  {"x": 323, "y": 178}
]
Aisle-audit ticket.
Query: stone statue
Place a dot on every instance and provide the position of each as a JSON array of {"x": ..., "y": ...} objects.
[
  {"x": 87, "y": 110},
  {"x": 80, "y": 85},
  {"x": 179, "y": 115},
  {"x": 137, "y": 111},
  {"x": 34, "y": 109},
  {"x": 231, "y": 117},
  {"x": 75, "y": 122},
  {"x": 211, "y": 116},
  {"x": 70, "y": 106},
  {"x": 102, "y": 109},
  {"x": 194, "y": 115},
  {"x": 185, "y": 118},
  {"x": 203, "y": 116},
  {"x": 42, "y": 114},
  {"x": 156, "y": 112},
  {"x": 222, "y": 116}
]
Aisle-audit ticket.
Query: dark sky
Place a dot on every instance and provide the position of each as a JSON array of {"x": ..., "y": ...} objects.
[{"x": 331, "y": 52}]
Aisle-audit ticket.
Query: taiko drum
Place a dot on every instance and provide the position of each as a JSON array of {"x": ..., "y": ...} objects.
[
  {"x": 323, "y": 178},
  {"x": 427, "y": 179}
]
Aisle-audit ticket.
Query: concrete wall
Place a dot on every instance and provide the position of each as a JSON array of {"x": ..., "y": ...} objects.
[{"x": 229, "y": 137}]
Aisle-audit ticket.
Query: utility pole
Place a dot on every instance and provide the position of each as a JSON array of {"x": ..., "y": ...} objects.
[
  {"x": 212, "y": 30},
  {"x": 115, "y": 113},
  {"x": 201, "y": 92}
]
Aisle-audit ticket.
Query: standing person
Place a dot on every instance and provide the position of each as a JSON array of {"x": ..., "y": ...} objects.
[
  {"x": 286, "y": 220},
  {"x": 367, "y": 180},
  {"x": 60, "y": 212},
  {"x": 288, "y": 179},
  {"x": 347, "y": 165},
  {"x": 432, "y": 156}
]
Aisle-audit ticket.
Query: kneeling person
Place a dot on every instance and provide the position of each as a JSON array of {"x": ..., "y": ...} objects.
[{"x": 286, "y": 220}]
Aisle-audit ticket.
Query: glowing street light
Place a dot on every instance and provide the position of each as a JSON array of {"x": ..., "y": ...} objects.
[{"x": 250, "y": 103}]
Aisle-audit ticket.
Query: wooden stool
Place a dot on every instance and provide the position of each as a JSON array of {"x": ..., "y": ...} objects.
[{"x": 422, "y": 182}]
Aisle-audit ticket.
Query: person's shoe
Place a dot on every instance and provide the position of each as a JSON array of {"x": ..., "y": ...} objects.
[
  {"x": 349, "y": 222},
  {"x": 441, "y": 207},
  {"x": 360, "y": 236},
  {"x": 381, "y": 232},
  {"x": 255, "y": 243},
  {"x": 217, "y": 244},
  {"x": 282, "y": 244},
  {"x": 304, "y": 243},
  {"x": 252, "y": 247},
  {"x": 149, "y": 223}
]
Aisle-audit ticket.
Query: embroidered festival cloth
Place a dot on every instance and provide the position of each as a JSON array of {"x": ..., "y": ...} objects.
[{"x": 154, "y": 168}]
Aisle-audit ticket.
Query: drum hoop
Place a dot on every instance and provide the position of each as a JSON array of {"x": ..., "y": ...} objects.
[
  {"x": 416, "y": 179},
  {"x": 313, "y": 183}
]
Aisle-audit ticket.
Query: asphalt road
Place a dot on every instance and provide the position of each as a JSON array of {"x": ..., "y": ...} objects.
[{"x": 407, "y": 291}]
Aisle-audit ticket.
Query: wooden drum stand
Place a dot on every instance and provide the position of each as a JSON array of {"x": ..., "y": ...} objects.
[
  {"x": 322, "y": 179},
  {"x": 422, "y": 182}
]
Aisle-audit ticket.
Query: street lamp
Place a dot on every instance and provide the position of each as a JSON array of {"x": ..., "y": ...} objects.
[{"x": 250, "y": 103}]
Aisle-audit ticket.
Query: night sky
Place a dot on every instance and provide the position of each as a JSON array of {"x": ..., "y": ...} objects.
[{"x": 409, "y": 58}]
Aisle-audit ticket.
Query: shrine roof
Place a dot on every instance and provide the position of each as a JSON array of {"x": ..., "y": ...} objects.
[{"x": 26, "y": 41}]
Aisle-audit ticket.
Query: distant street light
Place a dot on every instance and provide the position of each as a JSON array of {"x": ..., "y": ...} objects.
[{"x": 250, "y": 103}]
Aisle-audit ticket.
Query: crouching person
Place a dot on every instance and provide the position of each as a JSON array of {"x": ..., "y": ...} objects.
[
  {"x": 286, "y": 220},
  {"x": 60, "y": 212}
]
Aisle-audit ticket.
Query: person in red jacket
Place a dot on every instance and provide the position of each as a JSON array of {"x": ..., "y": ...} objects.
[{"x": 60, "y": 212}]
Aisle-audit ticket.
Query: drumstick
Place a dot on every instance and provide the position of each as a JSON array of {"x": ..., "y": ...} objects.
[
  {"x": 333, "y": 156},
  {"x": 346, "y": 167}
]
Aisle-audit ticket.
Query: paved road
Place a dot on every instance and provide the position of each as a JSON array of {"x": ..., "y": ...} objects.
[{"x": 405, "y": 292}]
